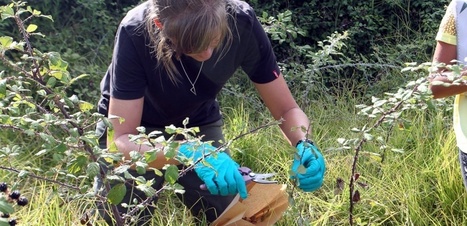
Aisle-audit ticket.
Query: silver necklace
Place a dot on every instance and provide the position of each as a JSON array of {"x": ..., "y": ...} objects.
[{"x": 193, "y": 89}]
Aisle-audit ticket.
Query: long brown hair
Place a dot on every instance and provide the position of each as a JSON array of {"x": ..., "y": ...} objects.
[{"x": 187, "y": 26}]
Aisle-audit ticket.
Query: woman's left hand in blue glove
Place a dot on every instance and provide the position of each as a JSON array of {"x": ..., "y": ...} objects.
[{"x": 308, "y": 166}]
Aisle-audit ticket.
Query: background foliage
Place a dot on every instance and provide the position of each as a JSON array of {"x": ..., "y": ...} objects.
[
  {"x": 342, "y": 60},
  {"x": 378, "y": 32}
]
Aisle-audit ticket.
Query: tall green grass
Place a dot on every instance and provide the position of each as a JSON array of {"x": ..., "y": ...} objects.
[{"x": 421, "y": 186}]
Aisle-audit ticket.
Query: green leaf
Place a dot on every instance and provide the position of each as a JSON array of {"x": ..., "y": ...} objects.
[
  {"x": 2, "y": 88},
  {"x": 51, "y": 82},
  {"x": 140, "y": 180},
  {"x": 85, "y": 106},
  {"x": 77, "y": 164},
  {"x": 121, "y": 169},
  {"x": 147, "y": 189},
  {"x": 42, "y": 152},
  {"x": 150, "y": 155},
  {"x": 368, "y": 136},
  {"x": 31, "y": 28},
  {"x": 93, "y": 169},
  {"x": 398, "y": 150},
  {"x": 379, "y": 103},
  {"x": 170, "y": 151},
  {"x": 5, "y": 207},
  {"x": 179, "y": 189},
  {"x": 7, "y": 12},
  {"x": 60, "y": 148},
  {"x": 73, "y": 80},
  {"x": 57, "y": 74},
  {"x": 47, "y": 16},
  {"x": 42, "y": 93},
  {"x": 56, "y": 62},
  {"x": 74, "y": 99},
  {"x": 23, "y": 174},
  {"x": 74, "y": 132},
  {"x": 4, "y": 222},
  {"x": 116, "y": 194},
  {"x": 171, "y": 174},
  {"x": 341, "y": 140},
  {"x": 141, "y": 167},
  {"x": 36, "y": 12},
  {"x": 5, "y": 42},
  {"x": 134, "y": 155},
  {"x": 115, "y": 178},
  {"x": 170, "y": 129},
  {"x": 301, "y": 169},
  {"x": 113, "y": 148},
  {"x": 68, "y": 102},
  {"x": 156, "y": 171},
  {"x": 90, "y": 140}
]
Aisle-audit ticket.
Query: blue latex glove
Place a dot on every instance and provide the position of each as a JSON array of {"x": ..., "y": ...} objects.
[
  {"x": 308, "y": 166},
  {"x": 218, "y": 171}
]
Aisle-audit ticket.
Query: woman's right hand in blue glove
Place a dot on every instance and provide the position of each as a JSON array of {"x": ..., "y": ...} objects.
[
  {"x": 218, "y": 171},
  {"x": 308, "y": 166}
]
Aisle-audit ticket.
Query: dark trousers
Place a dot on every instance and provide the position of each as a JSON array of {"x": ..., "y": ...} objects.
[
  {"x": 463, "y": 165},
  {"x": 200, "y": 202}
]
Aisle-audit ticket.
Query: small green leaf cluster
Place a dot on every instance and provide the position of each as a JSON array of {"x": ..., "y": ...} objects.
[{"x": 119, "y": 174}]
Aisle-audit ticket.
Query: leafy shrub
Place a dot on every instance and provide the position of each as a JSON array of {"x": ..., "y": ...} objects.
[
  {"x": 83, "y": 31},
  {"x": 380, "y": 36}
]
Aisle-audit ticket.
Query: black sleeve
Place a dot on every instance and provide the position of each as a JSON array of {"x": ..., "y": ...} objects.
[
  {"x": 260, "y": 62},
  {"x": 127, "y": 78}
]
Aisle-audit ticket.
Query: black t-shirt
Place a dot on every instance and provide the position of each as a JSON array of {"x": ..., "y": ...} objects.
[{"x": 134, "y": 72}]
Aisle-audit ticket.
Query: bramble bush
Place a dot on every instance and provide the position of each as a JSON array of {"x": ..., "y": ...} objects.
[
  {"x": 380, "y": 37},
  {"x": 36, "y": 101},
  {"x": 82, "y": 32},
  {"x": 377, "y": 32}
]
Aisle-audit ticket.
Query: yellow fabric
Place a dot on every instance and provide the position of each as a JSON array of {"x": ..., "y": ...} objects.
[
  {"x": 459, "y": 122},
  {"x": 457, "y": 18},
  {"x": 447, "y": 29}
]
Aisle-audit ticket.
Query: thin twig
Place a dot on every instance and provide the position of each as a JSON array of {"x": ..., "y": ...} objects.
[
  {"x": 359, "y": 147},
  {"x": 41, "y": 178}
]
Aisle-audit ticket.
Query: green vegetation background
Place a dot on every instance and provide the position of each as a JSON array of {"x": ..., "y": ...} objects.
[{"x": 417, "y": 182}]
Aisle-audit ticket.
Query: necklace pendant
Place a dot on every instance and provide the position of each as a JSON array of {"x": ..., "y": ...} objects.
[{"x": 193, "y": 90}]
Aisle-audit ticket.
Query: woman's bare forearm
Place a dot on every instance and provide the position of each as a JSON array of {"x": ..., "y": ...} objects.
[{"x": 442, "y": 86}]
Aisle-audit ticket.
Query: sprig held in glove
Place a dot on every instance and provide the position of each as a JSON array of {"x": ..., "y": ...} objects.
[{"x": 308, "y": 166}]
